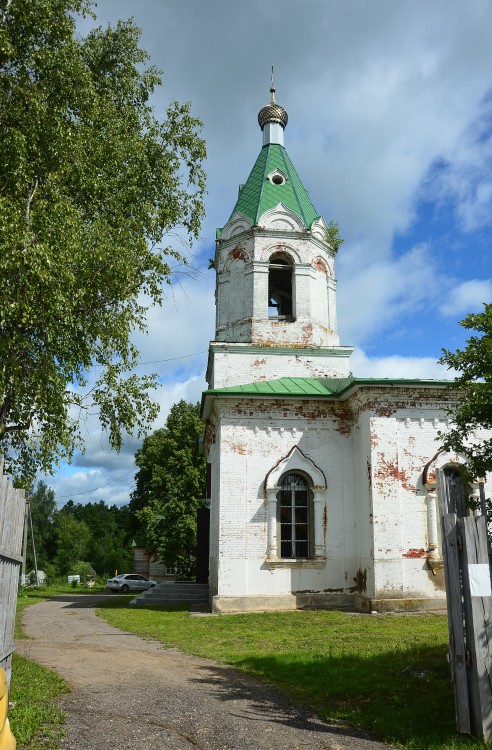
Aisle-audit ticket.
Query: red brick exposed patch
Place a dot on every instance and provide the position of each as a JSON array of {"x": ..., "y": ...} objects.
[
  {"x": 238, "y": 448},
  {"x": 320, "y": 266},
  {"x": 238, "y": 253},
  {"x": 415, "y": 553},
  {"x": 390, "y": 470},
  {"x": 344, "y": 417},
  {"x": 259, "y": 362}
]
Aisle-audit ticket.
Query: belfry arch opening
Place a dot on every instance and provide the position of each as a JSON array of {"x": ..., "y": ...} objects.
[{"x": 280, "y": 288}]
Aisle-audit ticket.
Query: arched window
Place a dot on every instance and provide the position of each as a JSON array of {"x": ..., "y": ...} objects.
[
  {"x": 295, "y": 517},
  {"x": 280, "y": 282},
  {"x": 458, "y": 491}
]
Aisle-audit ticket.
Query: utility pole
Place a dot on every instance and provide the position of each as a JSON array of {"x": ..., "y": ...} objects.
[
  {"x": 24, "y": 548},
  {"x": 28, "y": 506}
]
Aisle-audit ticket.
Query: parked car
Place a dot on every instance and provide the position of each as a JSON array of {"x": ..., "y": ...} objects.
[{"x": 126, "y": 582}]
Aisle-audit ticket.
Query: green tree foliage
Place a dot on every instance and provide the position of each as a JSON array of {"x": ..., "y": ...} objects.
[
  {"x": 43, "y": 514},
  {"x": 91, "y": 185},
  {"x": 96, "y": 533},
  {"x": 72, "y": 542},
  {"x": 474, "y": 412},
  {"x": 170, "y": 486},
  {"x": 110, "y": 543}
]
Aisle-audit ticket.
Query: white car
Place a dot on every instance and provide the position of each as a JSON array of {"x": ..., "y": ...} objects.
[{"x": 126, "y": 582}]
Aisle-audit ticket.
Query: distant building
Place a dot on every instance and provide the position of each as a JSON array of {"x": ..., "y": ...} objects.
[
  {"x": 147, "y": 563},
  {"x": 321, "y": 484}
]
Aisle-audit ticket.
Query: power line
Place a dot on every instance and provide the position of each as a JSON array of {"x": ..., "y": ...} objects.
[
  {"x": 171, "y": 359},
  {"x": 87, "y": 492}
]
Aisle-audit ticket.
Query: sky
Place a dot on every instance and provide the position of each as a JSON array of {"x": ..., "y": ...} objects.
[{"x": 390, "y": 130}]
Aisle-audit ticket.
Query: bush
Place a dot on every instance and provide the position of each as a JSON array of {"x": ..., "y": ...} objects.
[{"x": 82, "y": 569}]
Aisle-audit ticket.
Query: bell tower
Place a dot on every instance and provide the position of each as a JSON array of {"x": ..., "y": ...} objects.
[{"x": 276, "y": 288}]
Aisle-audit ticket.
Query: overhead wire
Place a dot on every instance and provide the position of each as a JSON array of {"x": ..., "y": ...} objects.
[{"x": 87, "y": 492}]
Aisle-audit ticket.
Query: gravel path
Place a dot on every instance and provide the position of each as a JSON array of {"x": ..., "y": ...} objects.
[{"x": 128, "y": 692}]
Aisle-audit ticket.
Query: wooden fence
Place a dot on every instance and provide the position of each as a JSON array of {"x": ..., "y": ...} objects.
[
  {"x": 469, "y": 603},
  {"x": 12, "y": 511}
]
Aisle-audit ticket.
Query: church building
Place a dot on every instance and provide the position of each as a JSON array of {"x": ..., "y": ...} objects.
[{"x": 321, "y": 485}]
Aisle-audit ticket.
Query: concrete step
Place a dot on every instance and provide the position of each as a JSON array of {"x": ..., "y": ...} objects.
[
  {"x": 182, "y": 587},
  {"x": 174, "y": 592},
  {"x": 152, "y": 594}
]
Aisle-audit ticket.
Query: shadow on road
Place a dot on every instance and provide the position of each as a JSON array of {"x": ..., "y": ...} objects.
[{"x": 265, "y": 703}]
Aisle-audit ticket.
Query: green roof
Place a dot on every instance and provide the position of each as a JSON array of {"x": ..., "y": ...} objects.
[
  {"x": 258, "y": 194},
  {"x": 315, "y": 387},
  {"x": 289, "y": 387}
]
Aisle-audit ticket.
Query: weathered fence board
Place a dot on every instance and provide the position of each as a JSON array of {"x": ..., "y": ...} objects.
[
  {"x": 478, "y": 617},
  {"x": 12, "y": 512},
  {"x": 469, "y": 603},
  {"x": 457, "y": 647}
]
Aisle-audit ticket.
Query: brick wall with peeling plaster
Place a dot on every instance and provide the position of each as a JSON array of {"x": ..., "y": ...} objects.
[
  {"x": 242, "y": 292},
  {"x": 249, "y": 367},
  {"x": 372, "y": 453}
]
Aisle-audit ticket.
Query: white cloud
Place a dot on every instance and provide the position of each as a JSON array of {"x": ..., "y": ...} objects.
[
  {"x": 462, "y": 177},
  {"x": 372, "y": 293},
  {"x": 468, "y": 297},
  {"x": 398, "y": 367},
  {"x": 101, "y": 473},
  {"x": 182, "y": 326}
]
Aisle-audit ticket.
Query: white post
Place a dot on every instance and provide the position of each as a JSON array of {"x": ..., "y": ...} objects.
[
  {"x": 432, "y": 524},
  {"x": 272, "y": 523},
  {"x": 319, "y": 531}
]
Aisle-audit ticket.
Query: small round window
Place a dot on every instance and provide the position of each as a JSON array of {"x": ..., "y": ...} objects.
[{"x": 277, "y": 177}]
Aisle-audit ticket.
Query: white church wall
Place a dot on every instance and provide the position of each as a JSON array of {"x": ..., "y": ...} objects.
[
  {"x": 363, "y": 577},
  {"x": 404, "y": 426},
  {"x": 233, "y": 365},
  {"x": 213, "y": 457},
  {"x": 249, "y": 446}
]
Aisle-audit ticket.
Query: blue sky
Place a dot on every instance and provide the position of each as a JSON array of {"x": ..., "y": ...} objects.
[{"x": 390, "y": 129}]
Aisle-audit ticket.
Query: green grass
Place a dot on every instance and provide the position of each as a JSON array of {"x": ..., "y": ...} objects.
[
  {"x": 36, "y": 719},
  {"x": 387, "y": 674}
]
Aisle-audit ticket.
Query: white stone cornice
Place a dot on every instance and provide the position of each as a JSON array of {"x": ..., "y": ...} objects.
[
  {"x": 237, "y": 224},
  {"x": 281, "y": 217}
]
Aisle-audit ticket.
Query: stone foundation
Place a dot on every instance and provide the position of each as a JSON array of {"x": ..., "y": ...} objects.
[{"x": 285, "y": 602}]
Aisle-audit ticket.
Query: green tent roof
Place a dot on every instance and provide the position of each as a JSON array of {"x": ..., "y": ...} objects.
[{"x": 258, "y": 194}]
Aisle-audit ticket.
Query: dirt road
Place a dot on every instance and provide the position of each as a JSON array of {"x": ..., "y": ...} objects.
[{"x": 128, "y": 692}]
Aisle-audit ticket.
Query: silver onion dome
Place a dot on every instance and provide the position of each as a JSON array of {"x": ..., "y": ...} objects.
[{"x": 273, "y": 112}]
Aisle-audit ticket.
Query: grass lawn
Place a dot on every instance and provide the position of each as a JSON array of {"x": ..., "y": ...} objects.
[{"x": 385, "y": 673}]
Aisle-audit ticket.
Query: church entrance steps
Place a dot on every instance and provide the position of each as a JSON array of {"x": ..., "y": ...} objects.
[{"x": 174, "y": 592}]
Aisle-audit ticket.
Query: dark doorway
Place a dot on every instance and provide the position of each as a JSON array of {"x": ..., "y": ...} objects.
[{"x": 202, "y": 544}]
